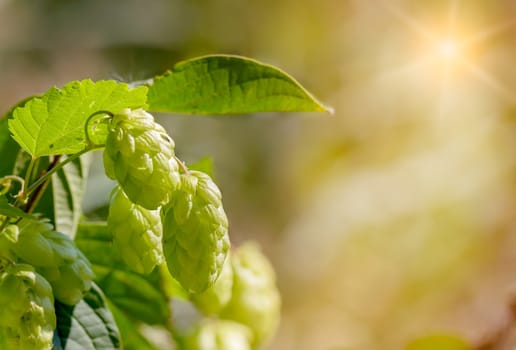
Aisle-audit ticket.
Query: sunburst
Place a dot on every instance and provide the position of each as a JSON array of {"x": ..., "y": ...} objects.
[{"x": 450, "y": 48}]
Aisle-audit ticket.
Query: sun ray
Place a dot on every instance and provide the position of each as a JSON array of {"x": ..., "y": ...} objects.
[
  {"x": 405, "y": 18},
  {"x": 489, "y": 33},
  {"x": 410, "y": 67},
  {"x": 450, "y": 49},
  {"x": 452, "y": 16},
  {"x": 490, "y": 81}
]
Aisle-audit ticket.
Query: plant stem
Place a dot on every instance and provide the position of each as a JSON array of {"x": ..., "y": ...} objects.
[
  {"x": 52, "y": 170},
  {"x": 182, "y": 165},
  {"x": 21, "y": 197},
  {"x": 7, "y": 180},
  {"x": 38, "y": 192},
  {"x": 28, "y": 174},
  {"x": 12, "y": 177}
]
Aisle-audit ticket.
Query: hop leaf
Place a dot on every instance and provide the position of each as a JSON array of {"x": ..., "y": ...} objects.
[
  {"x": 195, "y": 232},
  {"x": 136, "y": 232},
  {"x": 28, "y": 318},
  {"x": 255, "y": 301},
  {"x": 217, "y": 335},
  {"x": 139, "y": 154},
  {"x": 56, "y": 257},
  {"x": 216, "y": 297}
]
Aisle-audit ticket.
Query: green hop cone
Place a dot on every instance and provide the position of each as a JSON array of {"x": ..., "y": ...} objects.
[
  {"x": 139, "y": 154},
  {"x": 255, "y": 301},
  {"x": 28, "y": 318},
  {"x": 195, "y": 232},
  {"x": 217, "y": 335},
  {"x": 216, "y": 297},
  {"x": 56, "y": 257},
  {"x": 136, "y": 233}
]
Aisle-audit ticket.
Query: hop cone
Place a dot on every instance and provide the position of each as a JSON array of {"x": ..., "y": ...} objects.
[
  {"x": 56, "y": 257},
  {"x": 217, "y": 335},
  {"x": 27, "y": 320},
  {"x": 195, "y": 232},
  {"x": 139, "y": 154},
  {"x": 136, "y": 233},
  {"x": 213, "y": 299},
  {"x": 255, "y": 301},
  {"x": 7, "y": 237}
]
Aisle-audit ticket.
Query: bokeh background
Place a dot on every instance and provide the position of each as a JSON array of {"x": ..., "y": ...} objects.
[{"x": 391, "y": 219}]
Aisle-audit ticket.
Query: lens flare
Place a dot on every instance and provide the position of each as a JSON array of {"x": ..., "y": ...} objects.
[{"x": 448, "y": 49}]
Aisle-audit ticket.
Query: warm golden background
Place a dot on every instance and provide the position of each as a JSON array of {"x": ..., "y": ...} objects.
[{"x": 392, "y": 219}]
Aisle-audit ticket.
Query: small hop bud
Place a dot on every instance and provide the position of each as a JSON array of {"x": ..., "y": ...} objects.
[
  {"x": 71, "y": 279},
  {"x": 32, "y": 246},
  {"x": 216, "y": 297},
  {"x": 56, "y": 257},
  {"x": 7, "y": 237},
  {"x": 255, "y": 301},
  {"x": 217, "y": 335},
  {"x": 27, "y": 305},
  {"x": 136, "y": 233},
  {"x": 139, "y": 154},
  {"x": 195, "y": 232}
]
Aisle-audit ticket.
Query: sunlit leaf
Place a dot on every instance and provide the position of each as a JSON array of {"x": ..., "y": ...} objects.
[
  {"x": 55, "y": 123},
  {"x": 223, "y": 84}
]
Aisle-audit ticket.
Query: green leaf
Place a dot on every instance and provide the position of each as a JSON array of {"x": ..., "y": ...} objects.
[
  {"x": 171, "y": 287},
  {"x": 89, "y": 325},
  {"x": 438, "y": 341},
  {"x": 224, "y": 84},
  {"x": 14, "y": 159},
  {"x": 68, "y": 186},
  {"x": 205, "y": 165},
  {"x": 8, "y": 149},
  {"x": 8, "y": 210},
  {"x": 132, "y": 339},
  {"x": 140, "y": 297},
  {"x": 55, "y": 123},
  {"x": 62, "y": 200}
]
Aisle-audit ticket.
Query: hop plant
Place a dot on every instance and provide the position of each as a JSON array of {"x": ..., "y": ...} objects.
[
  {"x": 56, "y": 257},
  {"x": 43, "y": 140},
  {"x": 217, "y": 335},
  {"x": 216, "y": 297},
  {"x": 139, "y": 154},
  {"x": 136, "y": 232},
  {"x": 27, "y": 308},
  {"x": 255, "y": 301},
  {"x": 195, "y": 232}
]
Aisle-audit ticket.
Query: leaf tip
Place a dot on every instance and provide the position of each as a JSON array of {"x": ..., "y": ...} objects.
[{"x": 328, "y": 109}]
